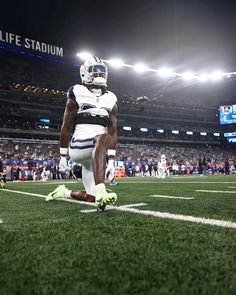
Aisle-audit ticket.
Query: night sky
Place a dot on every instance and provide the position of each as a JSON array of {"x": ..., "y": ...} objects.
[{"x": 184, "y": 34}]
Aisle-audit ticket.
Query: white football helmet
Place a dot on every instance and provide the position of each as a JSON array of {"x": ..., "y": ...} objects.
[
  {"x": 163, "y": 158},
  {"x": 91, "y": 70}
]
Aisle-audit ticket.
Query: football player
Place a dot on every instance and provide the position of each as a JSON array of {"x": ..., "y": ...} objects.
[
  {"x": 110, "y": 170},
  {"x": 162, "y": 167},
  {"x": 91, "y": 111}
]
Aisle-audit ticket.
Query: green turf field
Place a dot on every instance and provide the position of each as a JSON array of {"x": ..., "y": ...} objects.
[{"x": 55, "y": 248}]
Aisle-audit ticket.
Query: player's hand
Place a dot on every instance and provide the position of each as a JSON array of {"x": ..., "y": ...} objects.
[{"x": 63, "y": 166}]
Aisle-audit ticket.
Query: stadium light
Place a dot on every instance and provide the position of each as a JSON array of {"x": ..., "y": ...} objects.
[
  {"x": 188, "y": 76},
  {"x": 166, "y": 72},
  {"x": 217, "y": 75},
  {"x": 163, "y": 72},
  {"x": 84, "y": 55},
  {"x": 175, "y": 131},
  {"x": 160, "y": 130},
  {"x": 203, "y": 133},
  {"x": 203, "y": 77},
  {"x": 140, "y": 68},
  {"x": 115, "y": 62},
  {"x": 189, "y": 132}
]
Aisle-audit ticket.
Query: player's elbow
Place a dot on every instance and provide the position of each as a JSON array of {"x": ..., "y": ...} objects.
[{"x": 65, "y": 128}]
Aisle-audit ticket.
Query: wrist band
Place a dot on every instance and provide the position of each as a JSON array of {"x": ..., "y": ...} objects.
[
  {"x": 111, "y": 153},
  {"x": 63, "y": 151}
]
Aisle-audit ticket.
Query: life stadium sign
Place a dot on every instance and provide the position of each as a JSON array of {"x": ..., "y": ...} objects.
[{"x": 17, "y": 40}]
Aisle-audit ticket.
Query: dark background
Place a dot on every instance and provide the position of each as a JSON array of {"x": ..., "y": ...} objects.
[{"x": 187, "y": 34}]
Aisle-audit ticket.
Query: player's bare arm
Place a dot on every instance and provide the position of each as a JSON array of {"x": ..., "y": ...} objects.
[
  {"x": 112, "y": 129},
  {"x": 67, "y": 125}
]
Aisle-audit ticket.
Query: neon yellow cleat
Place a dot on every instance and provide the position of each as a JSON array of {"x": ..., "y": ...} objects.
[
  {"x": 57, "y": 194},
  {"x": 104, "y": 198},
  {"x": 2, "y": 184}
]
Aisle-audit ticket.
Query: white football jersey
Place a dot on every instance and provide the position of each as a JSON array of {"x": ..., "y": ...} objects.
[
  {"x": 162, "y": 164},
  {"x": 88, "y": 100}
]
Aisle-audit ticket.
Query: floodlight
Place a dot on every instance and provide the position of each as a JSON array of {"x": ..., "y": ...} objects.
[
  {"x": 165, "y": 72},
  {"x": 217, "y": 75},
  {"x": 140, "y": 68},
  {"x": 160, "y": 130},
  {"x": 203, "y": 77},
  {"x": 115, "y": 62},
  {"x": 84, "y": 55},
  {"x": 175, "y": 131},
  {"x": 203, "y": 133},
  {"x": 188, "y": 76}
]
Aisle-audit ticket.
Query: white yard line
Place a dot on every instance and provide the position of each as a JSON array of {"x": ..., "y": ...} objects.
[
  {"x": 108, "y": 207},
  {"x": 127, "y": 208},
  {"x": 43, "y": 196},
  {"x": 133, "y": 205},
  {"x": 171, "y": 197},
  {"x": 166, "y": 215},
  {"x": 114, "y": 207},
  {"x": 211, "y": 191}
]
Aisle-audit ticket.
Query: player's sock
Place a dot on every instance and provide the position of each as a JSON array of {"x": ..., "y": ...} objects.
[{"x": 67, "y": 194}]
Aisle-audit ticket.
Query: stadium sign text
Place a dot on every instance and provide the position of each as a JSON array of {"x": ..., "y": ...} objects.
[{"x": 30, "y": 44}]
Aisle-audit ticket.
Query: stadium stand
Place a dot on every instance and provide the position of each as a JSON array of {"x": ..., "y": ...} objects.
[{"x": 33, "y": 96}]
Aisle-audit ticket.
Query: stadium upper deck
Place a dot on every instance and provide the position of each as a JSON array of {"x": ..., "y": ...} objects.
[{"x": 33, "y": 86}]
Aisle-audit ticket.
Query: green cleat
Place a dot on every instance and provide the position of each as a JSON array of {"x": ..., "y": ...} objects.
[
  {"x": 104, "y": 198},
  {"x": 57, "y": 194},
  {"x": 2, "y": 184}
]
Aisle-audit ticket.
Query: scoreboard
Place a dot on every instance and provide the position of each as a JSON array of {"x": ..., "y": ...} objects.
[{"x": 227, "y": 114}]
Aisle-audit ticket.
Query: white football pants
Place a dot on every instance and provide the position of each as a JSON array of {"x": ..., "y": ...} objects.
[{"x": 80, "y": 151}]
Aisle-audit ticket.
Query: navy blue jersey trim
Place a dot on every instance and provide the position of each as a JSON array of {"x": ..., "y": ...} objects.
[
  {"x": 82, "y": 147},
  {"x": 70, "y": 93},
  {"x": 82, "y": 140}
]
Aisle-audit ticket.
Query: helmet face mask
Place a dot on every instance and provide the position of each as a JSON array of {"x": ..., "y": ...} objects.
[{"x": 94, "y": 72}]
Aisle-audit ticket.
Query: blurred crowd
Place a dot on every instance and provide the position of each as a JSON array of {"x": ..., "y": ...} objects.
[
  {"x": 175, "y": 153},
  {"x": 38, "y": 159},
  {"x": 31, "y": 150},
  {"x": 22, "y": 149}
]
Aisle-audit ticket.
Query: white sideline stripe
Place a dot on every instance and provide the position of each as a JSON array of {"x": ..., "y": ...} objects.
[
  {"x": 165, "y": 215},
  {"x": 23, "y": 193},
  {"x": 211, "y": 191},
  {"x": 43, "y": 196},
  {"x": 171, "y": 197}
]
